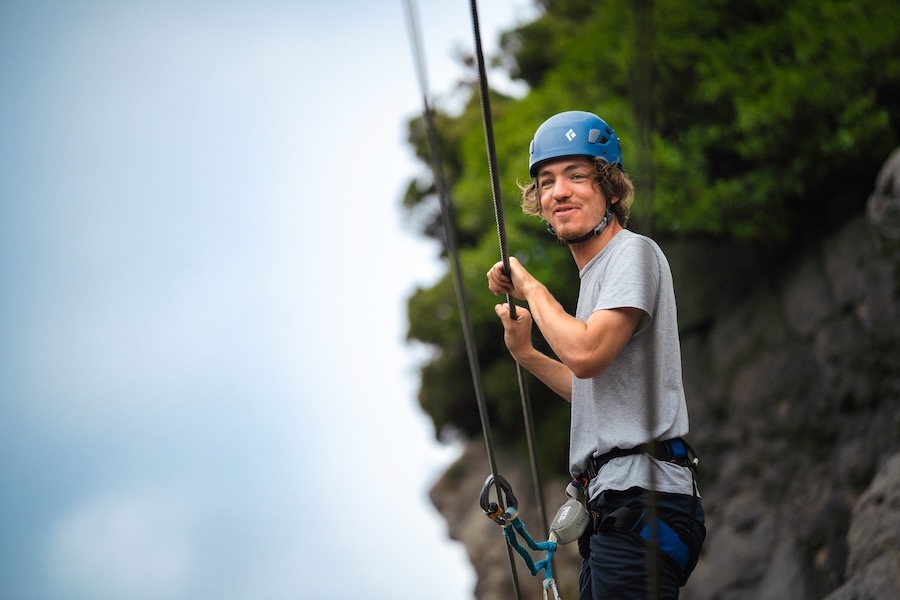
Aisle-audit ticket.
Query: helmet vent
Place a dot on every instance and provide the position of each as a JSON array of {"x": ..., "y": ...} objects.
[{"x": 594, "y": 135}]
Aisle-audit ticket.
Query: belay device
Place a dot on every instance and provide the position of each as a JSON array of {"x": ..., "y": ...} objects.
[
  {"x": 570, "y": 522},
  {"x": 573, "y": 517}
]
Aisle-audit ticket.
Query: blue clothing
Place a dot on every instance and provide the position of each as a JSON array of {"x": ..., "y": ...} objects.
[{"x": 616, "y": 565}]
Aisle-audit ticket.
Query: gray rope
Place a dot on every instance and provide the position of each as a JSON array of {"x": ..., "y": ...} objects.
[
  {"x": 504, "y": 253},
  {"x": 448, "y": 220}
]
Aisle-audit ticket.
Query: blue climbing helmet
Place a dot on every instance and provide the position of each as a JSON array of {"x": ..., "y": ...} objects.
[{"x": 574, "y": 133}]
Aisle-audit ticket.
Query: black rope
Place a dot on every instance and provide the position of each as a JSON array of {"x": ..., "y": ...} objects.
[
  {"x": 448, "y": 220},
  {"x": 504, "y": 253},
  {"x": 449, "y": 230},
  {"x": 491, "y": 152},
  {"x": 643, "y": 99}
]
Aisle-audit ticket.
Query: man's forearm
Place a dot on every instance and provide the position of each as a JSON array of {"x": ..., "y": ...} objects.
[
  {"x": 585, "y": 348},
  {"x": 552, "y": 373},
  {"x": 563, "y": 332}
]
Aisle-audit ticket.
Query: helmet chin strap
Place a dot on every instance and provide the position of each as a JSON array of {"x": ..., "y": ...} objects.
[{"x": 592, "y": 233}]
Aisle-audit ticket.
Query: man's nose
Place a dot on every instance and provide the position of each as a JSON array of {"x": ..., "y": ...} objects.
[{"x": 561, "y": 189}]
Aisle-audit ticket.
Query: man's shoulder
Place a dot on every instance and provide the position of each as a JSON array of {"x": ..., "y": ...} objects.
[
  {"x": 629, "y": 242},
  {"x": 627, "y": 236}
]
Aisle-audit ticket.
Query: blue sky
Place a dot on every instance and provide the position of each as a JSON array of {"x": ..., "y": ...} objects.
[{"x": 204, "y": 386}]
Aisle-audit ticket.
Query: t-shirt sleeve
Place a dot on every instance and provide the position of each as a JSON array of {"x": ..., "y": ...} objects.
[{"x": 632, "y": 280}]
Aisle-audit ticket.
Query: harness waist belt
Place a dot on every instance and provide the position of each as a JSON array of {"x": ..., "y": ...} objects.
[{"x": 675, "y": 451}]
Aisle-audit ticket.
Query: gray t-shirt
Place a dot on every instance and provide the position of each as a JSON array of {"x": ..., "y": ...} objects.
[{"x": 610, "y": 410}]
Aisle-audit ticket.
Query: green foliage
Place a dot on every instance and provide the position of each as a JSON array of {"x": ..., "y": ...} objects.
[
  {"x": 768, "y": 116},
  {"x": 769, "y": 121},
  {"x": 772, "y": 116}
]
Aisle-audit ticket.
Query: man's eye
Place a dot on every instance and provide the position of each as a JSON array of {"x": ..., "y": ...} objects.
[{"x": 546, "y": 183}]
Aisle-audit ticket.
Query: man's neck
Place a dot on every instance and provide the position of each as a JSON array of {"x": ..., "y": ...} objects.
[{"x": 585, "y": 251}]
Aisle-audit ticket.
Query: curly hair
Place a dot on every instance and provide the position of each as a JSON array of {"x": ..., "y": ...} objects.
[{"x": 613, "y": 181}]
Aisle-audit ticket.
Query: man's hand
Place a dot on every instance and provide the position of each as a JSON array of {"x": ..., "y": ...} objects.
[
  {"x": 516, "y": 332},
  {"x": 514, "y": 283}
]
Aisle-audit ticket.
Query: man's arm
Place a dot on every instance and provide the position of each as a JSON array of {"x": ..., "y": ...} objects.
[
  {"x": 585, "y": 348},
  {"x": 517, "y": 335}
]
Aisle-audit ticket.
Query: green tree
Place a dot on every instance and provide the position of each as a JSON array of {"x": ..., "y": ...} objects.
[{"x": 770, "y": 121}]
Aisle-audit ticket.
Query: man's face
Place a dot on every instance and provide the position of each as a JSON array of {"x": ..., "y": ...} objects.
[{"x": 571, "y": 201}]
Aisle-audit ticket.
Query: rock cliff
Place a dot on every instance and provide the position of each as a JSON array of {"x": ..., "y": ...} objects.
[{"x": 792, "y": 370}]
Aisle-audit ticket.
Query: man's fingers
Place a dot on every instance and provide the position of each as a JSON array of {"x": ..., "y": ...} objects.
[{"x": 503, "y": 312}]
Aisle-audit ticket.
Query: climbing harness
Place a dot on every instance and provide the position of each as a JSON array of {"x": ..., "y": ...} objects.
[
  {"x": 679, "y": 548},
  {"x": 676, "y": 451},
  {"x": 655, "y": 534}
]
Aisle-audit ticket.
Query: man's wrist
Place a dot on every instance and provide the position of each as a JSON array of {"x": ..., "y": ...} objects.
[
  {"x": 525, "y": 355},
  {"x": 530, "y": 288}
]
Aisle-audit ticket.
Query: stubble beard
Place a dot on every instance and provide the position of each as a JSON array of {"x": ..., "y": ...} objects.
[{"x": 567, "y": 236}]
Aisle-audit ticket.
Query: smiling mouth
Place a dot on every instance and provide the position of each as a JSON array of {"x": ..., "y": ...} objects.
[{"x": 564, "y": 210}]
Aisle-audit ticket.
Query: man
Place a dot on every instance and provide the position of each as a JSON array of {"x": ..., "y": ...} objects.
[{"x": 618, "y": 361}]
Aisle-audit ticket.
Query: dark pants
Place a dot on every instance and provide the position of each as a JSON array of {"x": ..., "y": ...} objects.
[{"x": 617, "y": 566}]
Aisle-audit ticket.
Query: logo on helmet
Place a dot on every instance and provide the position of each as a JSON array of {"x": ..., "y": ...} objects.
[{"x": 571, "y": 135}]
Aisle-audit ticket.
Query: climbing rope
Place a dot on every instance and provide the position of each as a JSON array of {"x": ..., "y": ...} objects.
[
  {"x": 484, "y": 93},
  {"x": 447, "y": 221}
]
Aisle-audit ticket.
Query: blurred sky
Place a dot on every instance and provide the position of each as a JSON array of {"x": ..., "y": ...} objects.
[{"x": 204, "y": 386}]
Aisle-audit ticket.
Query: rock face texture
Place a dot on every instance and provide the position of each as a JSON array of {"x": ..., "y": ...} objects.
[
  {"x": 873, "y": 564},
  {"x": 792, "y": 371}
]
